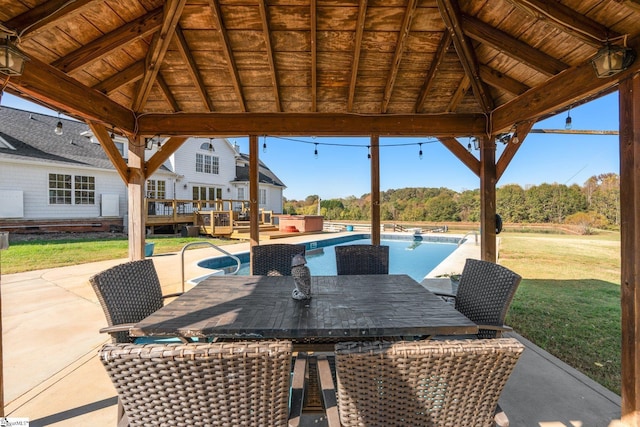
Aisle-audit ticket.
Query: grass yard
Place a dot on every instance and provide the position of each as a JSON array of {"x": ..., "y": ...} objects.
[
  {"x": 569, "y": 299},
  {"x": 50, "y": 253}
]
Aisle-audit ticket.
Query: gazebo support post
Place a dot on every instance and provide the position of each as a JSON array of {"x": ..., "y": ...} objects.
[
  {"x": 488, "y": 199},
  {"x": 375, "y": 189},
  {"x": 630, "y": 247},
  {"x": 135, "y": 191},
  {"x": 254, "y": 227}
]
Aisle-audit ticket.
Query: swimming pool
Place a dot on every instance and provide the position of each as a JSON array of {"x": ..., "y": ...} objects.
[{"x": 408, "y": 254}]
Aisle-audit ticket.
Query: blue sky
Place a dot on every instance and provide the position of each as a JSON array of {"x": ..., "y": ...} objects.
[{"x": 343, "y": 170}]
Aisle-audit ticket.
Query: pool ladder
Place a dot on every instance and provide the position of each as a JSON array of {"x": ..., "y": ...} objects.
[
  {"x": 218, "y": 248},
  {"x": 474, "y": 232}
]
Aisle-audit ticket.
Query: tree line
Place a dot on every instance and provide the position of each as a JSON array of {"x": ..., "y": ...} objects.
[{"x": 595, "y": 204}]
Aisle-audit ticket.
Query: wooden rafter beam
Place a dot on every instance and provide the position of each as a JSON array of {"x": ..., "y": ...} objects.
[
  {"x": 511, "y": 149},
  {"x": 501, "y": 81},
  {"x": 114, "y": 40},
  {"x": 397, "y": 56},
  {"x": 565, "y": 89},
  {"x": 567, "y": 20},
  {"x": 321, "y": 124},
  {"x": 451, "y": 16},
  {"x": 313, "y": 16},
  {"x": 462, "y": 154},
  {"x": 130, "y": 74},
  {"x": 443, "y": 46},
  {"x": 44, "y": 16},
  {"x": 161, "y": 156},
  {"x": 459, "y": 94},
  {"x": 110, "y": 149},
  {"x": 192, "y": 68},
  {"x": 59, "y": 91},
  {"x": 216, "y": 13},
  {"x": 355, "y": 63},
  {"x": 264, "y": 16},
  {"x": 157, "y": 50},
  {"x": 166, "y": 92},
  {"x": 514, "y": 48}
]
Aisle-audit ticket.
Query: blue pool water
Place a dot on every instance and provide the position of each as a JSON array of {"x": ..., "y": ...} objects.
[{"x": 406, "y": 255}]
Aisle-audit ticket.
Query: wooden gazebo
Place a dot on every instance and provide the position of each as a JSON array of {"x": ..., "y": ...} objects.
[{"x": 439, "y": 68}]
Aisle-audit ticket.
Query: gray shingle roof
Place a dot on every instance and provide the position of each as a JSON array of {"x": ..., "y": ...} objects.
[
  {"x": 33, "y": 138},
  {"x": 265, "y": 175}
]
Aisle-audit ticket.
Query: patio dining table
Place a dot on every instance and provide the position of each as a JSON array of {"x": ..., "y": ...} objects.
[{"x": 341, "y": 308}]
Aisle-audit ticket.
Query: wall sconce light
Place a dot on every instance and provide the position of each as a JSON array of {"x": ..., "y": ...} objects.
[
  {"x": 11, "y": 59},
  {"x": 611, "y": 60},
  {"x": 184, "y": 186},
  {"x": 58, "y": 128}
]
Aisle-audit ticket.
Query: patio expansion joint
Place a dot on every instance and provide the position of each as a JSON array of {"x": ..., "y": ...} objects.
[{"x": 23, "y": 399}]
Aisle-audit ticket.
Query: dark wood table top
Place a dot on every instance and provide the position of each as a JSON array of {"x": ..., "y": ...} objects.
[{"x": 340, "y": 307}]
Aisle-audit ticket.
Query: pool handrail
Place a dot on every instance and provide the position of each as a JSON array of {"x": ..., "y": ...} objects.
[
  {"x": 474, "y": 232},
  {"x": 204, "y": 242}
]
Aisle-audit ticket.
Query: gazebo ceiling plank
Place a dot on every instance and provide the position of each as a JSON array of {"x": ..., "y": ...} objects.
[
  {"x": 265, "y": 25},
  {"x": 357, "y": 52},
  {"x": 166, "y": 92}
]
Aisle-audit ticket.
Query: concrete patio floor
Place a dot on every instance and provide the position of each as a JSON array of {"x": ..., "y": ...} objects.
[{"x": 52, "y": 374}]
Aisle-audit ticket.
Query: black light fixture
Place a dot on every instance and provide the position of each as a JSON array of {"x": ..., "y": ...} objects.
[
  {"x": 58, "y": 128},
  {"x": 612, "y": 59},
  {"x": 567, "y": 122},
  {"x": 264, "y": 145},
  {"x": 315, "y": 151},
  {"x": 11, "y": 59},
  {"x": 420, "y": 152}
]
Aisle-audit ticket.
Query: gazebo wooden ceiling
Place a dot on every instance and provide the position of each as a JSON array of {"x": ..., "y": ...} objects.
[
  {"x": 391, "y": 67},
  {"x": 439, "y": 68}
]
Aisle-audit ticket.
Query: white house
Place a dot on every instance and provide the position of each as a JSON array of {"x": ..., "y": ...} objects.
[{"x": 63, "y": 180}]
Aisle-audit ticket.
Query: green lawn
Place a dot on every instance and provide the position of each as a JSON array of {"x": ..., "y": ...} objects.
[
  {"x": 37, "y": 254},
  {"x": 569, "y": 299}
]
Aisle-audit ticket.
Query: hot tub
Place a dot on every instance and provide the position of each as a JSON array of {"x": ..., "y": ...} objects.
[{"x": 300, "y": 223}]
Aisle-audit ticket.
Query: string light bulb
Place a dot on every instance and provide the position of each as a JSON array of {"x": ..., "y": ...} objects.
[
  {"x": 112, "y": 134},
  {"x": 58, "y": 128},
  {"x": 264, "y": 145},
  {"x": 315, "y": 151},
  {"x": 420, "y": 152},
  {"x": 567, "y": 123},
  {"x": 469, "y": 145},
  {"x": 211, "y": 145},
  {"x": 368, "y": 151},
  {"x": 514, "y": 138}
]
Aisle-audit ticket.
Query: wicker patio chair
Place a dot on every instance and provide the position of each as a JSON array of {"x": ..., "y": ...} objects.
[
  {"x": 362, "y": 259},
  {"x": 242, "y": 383},
  {"x": 128, "y": 293},
  {"x": 484, "y": 295},
  {"x": 420, "y": 383},
  {"x": 274, "y": 259}
]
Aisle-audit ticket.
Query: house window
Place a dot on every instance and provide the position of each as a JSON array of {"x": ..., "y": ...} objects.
[
  {"x": 156, "y": 189},
  {"x": 207, "y": 164},
  {"x": 59, "y": 189},
  {"x": 68, "y": 189},
  {"x": 85, "y": 190},
  {"x": 240, "y": 193},
  {"x": 263, "y": 196}
]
